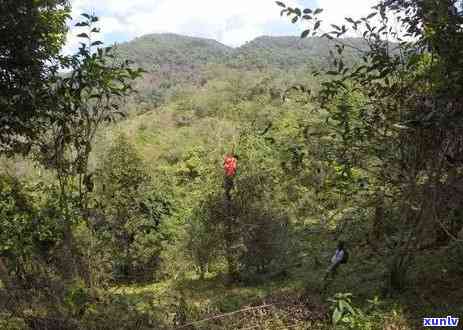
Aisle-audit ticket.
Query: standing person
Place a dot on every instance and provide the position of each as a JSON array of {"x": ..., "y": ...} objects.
[
  {"x": 230, "y": 164},
  {"x": 340, "y": 257}
]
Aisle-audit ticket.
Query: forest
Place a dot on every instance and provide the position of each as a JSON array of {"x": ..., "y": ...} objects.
[{"x": 172, "y": 182}]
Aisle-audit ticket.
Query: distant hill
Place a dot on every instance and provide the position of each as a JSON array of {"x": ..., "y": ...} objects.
[
  {"x": 291, "y": 52},
  {"x": 170, "y": 51},
  {"x": 173, "y": 60},
  {"x": 167, "y": 50}
]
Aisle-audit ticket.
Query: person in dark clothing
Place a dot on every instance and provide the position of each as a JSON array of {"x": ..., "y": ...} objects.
[{"x": 339, "y": 257}]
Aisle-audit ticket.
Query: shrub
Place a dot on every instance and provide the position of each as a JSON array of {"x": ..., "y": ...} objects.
[
  {"x": 133, "y": 210},
  {"x": 253, "y": 237}
]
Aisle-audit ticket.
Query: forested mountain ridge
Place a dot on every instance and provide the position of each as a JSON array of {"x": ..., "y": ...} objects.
[
  {"x": 172, "y": 60},
  {"x": 168, "y": 50},
  {"x": 290, "y": 52},
  {"x": 157, "y": 51}
]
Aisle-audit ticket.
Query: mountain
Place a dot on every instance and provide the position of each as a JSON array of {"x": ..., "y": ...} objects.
[
  {"x": 168, "y": 50},
  {"x": 293, "y": 52},
  {"x": 173, "y": 60}
]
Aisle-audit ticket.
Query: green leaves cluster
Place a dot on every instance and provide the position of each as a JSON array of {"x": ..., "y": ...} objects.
[
  {"x": 31, "y": 37},
  {"x": 16, "y": 215},
  {"x": 346, "y": 316}
]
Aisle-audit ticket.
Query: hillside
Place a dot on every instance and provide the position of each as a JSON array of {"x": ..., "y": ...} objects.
[
  {"x": 292, "y": 52},
  {"x": 169, "y": 51},
  {"x": 172, "y": 60},
  {"x": 160, "y": 52}
]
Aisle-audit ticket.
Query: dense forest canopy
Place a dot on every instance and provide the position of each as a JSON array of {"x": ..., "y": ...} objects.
[
  {"x": 173, "y": 60},
  {"x": 173, "y": 182}
]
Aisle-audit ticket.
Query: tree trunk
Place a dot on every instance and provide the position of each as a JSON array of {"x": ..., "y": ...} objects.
[
  {"x": 69, "y": 269},
  {"x": 4, "y": 275},
  {"x": 378, "y": 220},
  {"x": 230, "y": 239}
]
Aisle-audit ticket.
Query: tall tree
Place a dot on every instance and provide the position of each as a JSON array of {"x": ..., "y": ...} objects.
[{"x": 89, "y": 95}]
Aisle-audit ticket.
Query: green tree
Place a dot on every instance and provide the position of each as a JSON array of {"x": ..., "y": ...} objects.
[
  {"x": 32, "y": 34},
  {"x": 133, "y": 210},
  {"x": 80, "y": 102}
]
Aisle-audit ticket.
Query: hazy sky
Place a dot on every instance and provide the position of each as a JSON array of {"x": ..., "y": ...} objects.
[{"x": 232, "y": 22}]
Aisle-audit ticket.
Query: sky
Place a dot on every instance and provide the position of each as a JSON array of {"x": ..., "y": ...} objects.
[{"x": 231, "y": 22}]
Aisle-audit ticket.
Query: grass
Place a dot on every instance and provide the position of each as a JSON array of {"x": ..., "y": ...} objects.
[{"x": 297, "y": 302}]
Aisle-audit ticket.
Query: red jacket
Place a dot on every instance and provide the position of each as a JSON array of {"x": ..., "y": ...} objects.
[{"x": 229, "y": 165}]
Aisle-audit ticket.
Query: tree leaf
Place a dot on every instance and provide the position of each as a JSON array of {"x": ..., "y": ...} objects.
[
  {"x": 318, "y": 11},
  {"x": 337, "y": 314},
  {"x": 305, "y": 34},
  {"x": 281, "y": 4},
  {"x": 307, "y": 11},
  {"x": 327, "y": 35},
  {"x": 350, "y": 20},
  {"x": 83, "y": 35},
  {"x": 343, "y": 305}
]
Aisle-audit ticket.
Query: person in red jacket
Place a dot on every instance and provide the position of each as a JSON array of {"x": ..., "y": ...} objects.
[{"x": 230, "y": 165}]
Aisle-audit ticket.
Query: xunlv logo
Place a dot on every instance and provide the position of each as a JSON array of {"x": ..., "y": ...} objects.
[{"x": 440, "y": 322}]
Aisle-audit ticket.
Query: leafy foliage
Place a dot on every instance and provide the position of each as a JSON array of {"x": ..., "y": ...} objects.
[
  {"x": 346, "y": 316},
  {"x": 31, "y": 35},
  {"x": 133, "y": 211},
  {"x": 404, "y": 105},
  {"x": 174, "y": 62}
]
